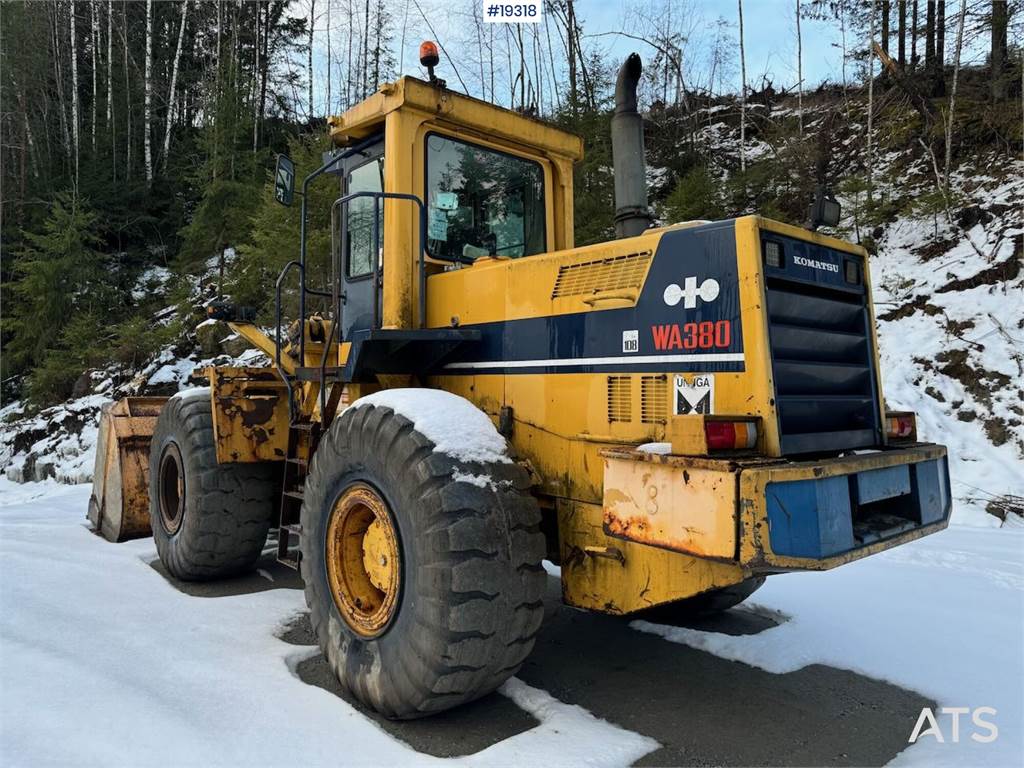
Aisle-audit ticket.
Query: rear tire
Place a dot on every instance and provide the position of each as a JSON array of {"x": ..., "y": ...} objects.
[
  {"x": 461, "y": 615},
  {"x": 704, "y": 604},
  {"x": 209, "y": 520}
]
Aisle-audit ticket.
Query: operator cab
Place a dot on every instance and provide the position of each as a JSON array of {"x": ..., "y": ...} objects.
[{"x": 478, "y": 182}]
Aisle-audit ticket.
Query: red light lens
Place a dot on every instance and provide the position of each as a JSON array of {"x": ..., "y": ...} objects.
[
  {"x": 721, "y": 435},
  {"x": 730, "y": 435}
]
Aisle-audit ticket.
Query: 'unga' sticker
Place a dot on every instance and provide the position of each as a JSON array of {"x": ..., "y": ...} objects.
[{"x": 694, "y": 396}]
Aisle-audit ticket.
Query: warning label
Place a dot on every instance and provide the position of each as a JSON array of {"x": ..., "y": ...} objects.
[{"x": 694, "y": 396}]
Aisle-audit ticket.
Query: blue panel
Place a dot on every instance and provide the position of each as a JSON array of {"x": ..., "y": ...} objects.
[
  {"x": 931, "y": 490},
  {"x": 878, "y": 484},
  {"x": 810, "y": 518}
]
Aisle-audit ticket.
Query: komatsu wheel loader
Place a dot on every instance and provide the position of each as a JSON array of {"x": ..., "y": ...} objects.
[{"x": 670, "y": 416}]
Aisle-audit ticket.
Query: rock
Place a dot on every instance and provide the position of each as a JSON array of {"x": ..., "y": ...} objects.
[
  {"x": 210, "y": 334},
  {"x": 83, "y": 384},
  {"x": 234, "y": 345}
]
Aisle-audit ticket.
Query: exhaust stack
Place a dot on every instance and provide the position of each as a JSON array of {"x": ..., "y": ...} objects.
[{"x": 631, "y": 213}]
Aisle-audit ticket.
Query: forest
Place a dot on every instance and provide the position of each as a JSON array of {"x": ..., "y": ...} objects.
[{"x": 138, "y": 138}]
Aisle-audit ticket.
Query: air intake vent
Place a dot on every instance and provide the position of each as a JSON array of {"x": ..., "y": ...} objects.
[
  {"x": 614, "y": 273},
  {"x": 620, "y": 398},
  {"x": 653, "y": 399}
]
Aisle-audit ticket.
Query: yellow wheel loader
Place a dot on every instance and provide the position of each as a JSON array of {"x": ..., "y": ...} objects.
[{"x": 670, "y": 416}]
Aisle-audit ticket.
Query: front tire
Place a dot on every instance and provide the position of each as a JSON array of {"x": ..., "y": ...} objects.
[
  {"x": 439, "y": 600},
  {"x": 209, "y": 520}
]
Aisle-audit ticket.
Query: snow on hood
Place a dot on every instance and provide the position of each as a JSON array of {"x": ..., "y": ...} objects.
[{"x": 454, "y": 425}]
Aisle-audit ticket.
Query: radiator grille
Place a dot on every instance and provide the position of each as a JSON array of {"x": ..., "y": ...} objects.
[
  {"x": 653, "y": 399},
  {"x": 612, "y": 273},
  {"x": 620, "y": 398},
  {"x": 822, "y": 365}
]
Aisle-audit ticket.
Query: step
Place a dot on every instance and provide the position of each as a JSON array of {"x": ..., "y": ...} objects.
[
  {"x": 313, "y": 373},
  {"x": 294, "y": 494},
  {"x": 292, "y": 528},
  {"x": 291, "y": 562},
  {"x": 297, "y": 461}
]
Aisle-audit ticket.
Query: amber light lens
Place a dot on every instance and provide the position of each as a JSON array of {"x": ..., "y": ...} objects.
[
  {"x": 901, "y": 427},
  {"x": 428, "y": 54}
]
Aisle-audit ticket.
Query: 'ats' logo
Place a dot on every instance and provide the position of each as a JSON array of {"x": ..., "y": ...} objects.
[{"x": 689, "y": 293}]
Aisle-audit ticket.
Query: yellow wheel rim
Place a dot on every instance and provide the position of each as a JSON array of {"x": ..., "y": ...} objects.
[{"x": 363, "y": 567}]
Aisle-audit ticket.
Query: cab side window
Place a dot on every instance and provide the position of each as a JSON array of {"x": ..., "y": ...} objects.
[{"x": 368, "y": 177}]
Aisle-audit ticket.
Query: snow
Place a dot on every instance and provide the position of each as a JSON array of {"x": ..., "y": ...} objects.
[
  {"x": 975, "y": 407},
  {"x": 454, "y": 425},
  {"x": 106, "y": 663},
  {"x": 658, "y": 448},
  {"x": 943, "y": 616},
  {"x": 176, "y": 372},
  {"x": 191, "y": 393},
  {"x": 481, "y": 481}
]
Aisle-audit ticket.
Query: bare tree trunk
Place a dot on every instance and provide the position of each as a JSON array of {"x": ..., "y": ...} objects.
[
  {"x": 110, "y": 89},
  {"x": 265, "y": 65},
  {"x": 174, "y": 82},
  {"x": 570, "y": 26},
  {"x": 330, "y": 60},
  {"x": 127, "y": 95},
  {"x": 312, "y": 18},
  {"x": 870, "y": 163},
  {"x": 952, "y": 91},
  {"x": 148, "y": 96},
  {"x": 74, "y": 83},
  {"x": 256, "y": 79},
  {"x": 842, "y": 37},
  {"x": 913, "y": 36},
  {"x": 929, "y": 37},
  {"x": 938, "y": 73},
  {"x": 799, "y": 72},
  {"x": 58, "y": 75},
  {"x": 886, "y": 12},
  {"x": 1000, "y": 22},
  {"x": 95, "y": 31},
  {"x": 551, "y": 56},
  {"x": 743, "y": 94},
  {"x": 366, "y": 51},
  {"x": 902, "y": 34}
]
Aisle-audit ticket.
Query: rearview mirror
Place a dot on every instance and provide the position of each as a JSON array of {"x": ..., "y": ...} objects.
[{"x": 284, "y": 180}]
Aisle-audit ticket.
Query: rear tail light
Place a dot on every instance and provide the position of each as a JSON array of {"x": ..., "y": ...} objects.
[
  {"x": 901, "y": 426},
  {"x": 730, "y": 435}
]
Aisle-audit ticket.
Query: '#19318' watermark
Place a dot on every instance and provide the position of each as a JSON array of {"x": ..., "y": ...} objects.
[
  {"x": 978, "y": 715},
  {"x": 524, "y": 11}
]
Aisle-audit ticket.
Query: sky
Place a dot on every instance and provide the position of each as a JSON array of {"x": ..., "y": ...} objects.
[{"x": 769, "y": 35}]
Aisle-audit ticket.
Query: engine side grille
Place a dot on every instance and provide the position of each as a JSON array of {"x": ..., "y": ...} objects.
[
  {"x": 611, "y": 274},
  {"x": 620, "y": 398},
  {"x": 653, "y": 399},
  {"x": 823, "y": 368}
]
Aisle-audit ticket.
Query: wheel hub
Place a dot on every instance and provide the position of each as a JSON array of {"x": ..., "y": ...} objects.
[
  {"x": 171, "y": 489},
  {"x": 363, "y": 567}
]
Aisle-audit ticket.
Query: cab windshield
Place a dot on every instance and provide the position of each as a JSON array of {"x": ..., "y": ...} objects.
[{"x": 481, "y": 202}]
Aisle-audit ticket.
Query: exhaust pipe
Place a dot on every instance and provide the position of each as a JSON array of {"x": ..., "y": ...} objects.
[{"x": 631, "y": 213}]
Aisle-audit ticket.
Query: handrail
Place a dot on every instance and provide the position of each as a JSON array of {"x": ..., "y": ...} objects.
[
  {"x": 277, "y": 326},
  {"x": 337, "y": 272},
  {"x": 377, "y": 197}
]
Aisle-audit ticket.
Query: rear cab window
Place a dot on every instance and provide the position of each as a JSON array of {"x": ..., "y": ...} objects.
[{"x": 482, "y": 202}]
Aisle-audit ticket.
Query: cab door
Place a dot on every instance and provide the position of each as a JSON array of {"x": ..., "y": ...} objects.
[{"x": 364, "y": 172}]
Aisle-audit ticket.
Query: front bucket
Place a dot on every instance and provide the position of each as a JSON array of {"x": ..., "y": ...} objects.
[{"x": 119, "y": 505}]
